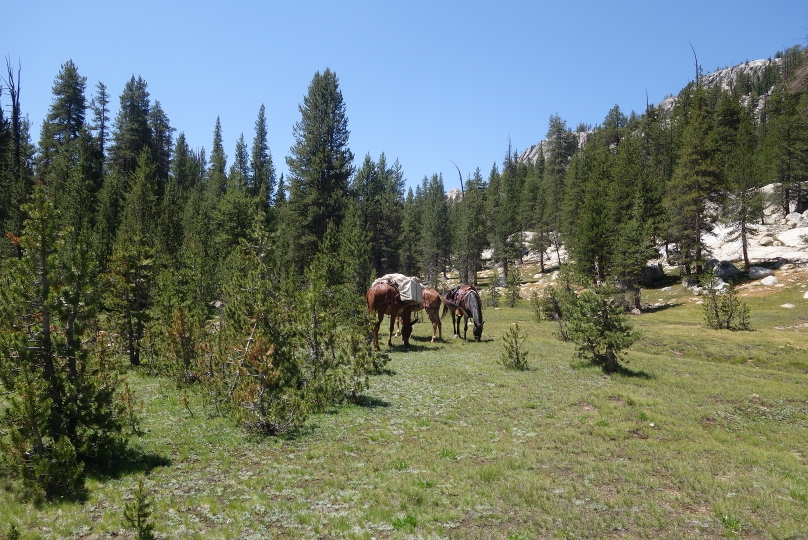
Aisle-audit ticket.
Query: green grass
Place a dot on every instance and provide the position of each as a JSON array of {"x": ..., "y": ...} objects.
[{"x": 701, "y": 435}]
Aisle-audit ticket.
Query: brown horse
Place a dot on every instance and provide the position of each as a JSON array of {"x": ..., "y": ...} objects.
[
  {"x": 431, "y": 304},
  {"x": 385, "y": 299}
]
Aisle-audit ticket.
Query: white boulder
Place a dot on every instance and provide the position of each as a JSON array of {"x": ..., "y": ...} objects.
[
  {"x": 769, "y": 281},
  {"x": 758, "y": 272}
]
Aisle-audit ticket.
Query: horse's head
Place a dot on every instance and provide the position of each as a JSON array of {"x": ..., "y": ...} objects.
[
  {"x": 406, "y": 326},
  {"x": 478, "y": 330}
]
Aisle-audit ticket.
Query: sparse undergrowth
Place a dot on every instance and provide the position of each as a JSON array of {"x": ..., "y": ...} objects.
[{"x": 702, "y": 434}]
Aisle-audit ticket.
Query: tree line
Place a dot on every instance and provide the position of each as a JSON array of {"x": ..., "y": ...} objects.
[{"x": 122, "y": 242}]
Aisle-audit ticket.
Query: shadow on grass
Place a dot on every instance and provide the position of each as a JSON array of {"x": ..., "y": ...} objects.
[
  {"x": 370, "y": 402},
  {"x": 410, "y": 349},
  {"x": 663, "y": 307},
  {"x": 125, "y": 462},
  {"x": 628, "y": 372},
  {"x": 622, "y": 370}
]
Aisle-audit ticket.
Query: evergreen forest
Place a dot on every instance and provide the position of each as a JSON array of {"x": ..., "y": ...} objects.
[{"x": 125, "y": 249}]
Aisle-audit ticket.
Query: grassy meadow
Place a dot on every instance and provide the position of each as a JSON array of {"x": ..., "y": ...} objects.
[{"x": 704, "y": 434}]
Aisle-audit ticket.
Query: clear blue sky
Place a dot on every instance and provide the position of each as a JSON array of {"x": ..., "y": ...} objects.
[{"x": 425, "y": 82}]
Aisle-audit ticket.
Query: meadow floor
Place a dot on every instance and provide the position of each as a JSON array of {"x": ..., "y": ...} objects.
[{"x": 702, "y": 435}]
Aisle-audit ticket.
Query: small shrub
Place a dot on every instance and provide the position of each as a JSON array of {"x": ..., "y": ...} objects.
[
  {"x": 556, "y": 304},
  {"x": 493, "y": 292},
  {"x": 536, "y": 306},
  {"x": 406, "y": 522},
  {"x": 514, "y": 356},
  {"x": 598, "y": 328},
  {"x": 133, "y": 408},
  {"x": 138, "y": 512},
  {"x": 722, "y": 309},
  {"x": 12, "y": 534},
  {"x": 512, "y": 286}
]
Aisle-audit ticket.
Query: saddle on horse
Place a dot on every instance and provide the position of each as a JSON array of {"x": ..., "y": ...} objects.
[
  {"x": 409, "y": 288},
  {"x": 458, "y": 294}
]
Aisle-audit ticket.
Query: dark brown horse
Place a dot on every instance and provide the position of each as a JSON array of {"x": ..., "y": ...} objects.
[
  {"x": 384, "y": 299},
  {"x": 464, "y": 303}
]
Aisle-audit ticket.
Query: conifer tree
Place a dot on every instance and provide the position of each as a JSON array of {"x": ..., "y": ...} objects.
[
  {"x": 410, "y": 233},
  {"x": 240, "y": 169},
  {"x": 355, "y": 251},
  {"x": 785, "y": 150},
  {"x": 162, "y": 144},
  {"x": 561, "y": 145},
  {"x": 100, "y": 122},
  {"x": 588, "y": 225},
  {"x": 262, "y": 183},
  {"x": 131, "y": 132},
  {"x": 378, "y": 189},
  {"x": 435, "y": 239},
  {"x": 744, "y": 202},
  {"x": 697, "y": 179},
  {"x": 320, "y": 164},
  {"x": 217, "y": 166},
  {"x": 61, "y": 411},
  {"x": 470, "y": 231},
  {"x": 131, "y": 265},
  {"x": 66, "y": 114}
]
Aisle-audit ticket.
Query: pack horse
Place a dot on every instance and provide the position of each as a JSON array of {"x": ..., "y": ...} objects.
[
  {"x": 395, "y": 295},
  {"x": 469, "y": 306}
]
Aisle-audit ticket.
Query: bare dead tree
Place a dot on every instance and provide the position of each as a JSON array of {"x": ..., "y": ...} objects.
[
  {"x": 695, "y": 58},
  {"x": 461, "y": 178},
  {"x": 13, "y": 85}
]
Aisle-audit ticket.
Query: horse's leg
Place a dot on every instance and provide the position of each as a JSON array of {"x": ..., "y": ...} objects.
[
  {"x": 465, "y": 327},
  {"x": 433, "y": 318},
  {"x": 379, "y": 317},
  {"x": 390, "y": 335}
]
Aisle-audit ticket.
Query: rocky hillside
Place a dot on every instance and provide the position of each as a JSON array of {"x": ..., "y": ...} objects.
[{"x": 749, "y": 73}]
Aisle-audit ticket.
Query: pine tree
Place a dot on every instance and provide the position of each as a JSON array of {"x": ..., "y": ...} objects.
[
  {"x": 744, "y": 202},
  {"x": 217, "y": 166},
  {"x": 469, "y": 231},
  {"x": 162, "y": 144},
  {"x": 356, "y": 251},
  {"x": 410, "y": 233},
  {"x": 785, "y": 150},
  {"x": 262, "y": 183},
  {"x": 320, "y": 164},
  {"x": 66, "y": 115},
  {"x": 377, "y": 190},
  {"x": 599, "y": 329},
  {"x": 257, "y": 377},
  {"x": 696, "y": 180},
  {"x": 588, "y": 227},
  {"x": 240, "y": 169},
  {"x": 131, "y": 132},
  {"x": 61, "y": 411},
  {"x": 435, "y": 239},
  {"x": 561, "y": 145},
  {"x": 131, "y": 265},
  {"x": 100, "y": 123}
]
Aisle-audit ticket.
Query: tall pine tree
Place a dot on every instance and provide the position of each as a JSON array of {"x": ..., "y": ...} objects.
[{"x": 320, "y": 165}]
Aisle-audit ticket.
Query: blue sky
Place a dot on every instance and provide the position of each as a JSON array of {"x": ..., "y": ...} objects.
[{"x": 425, "y": 82}]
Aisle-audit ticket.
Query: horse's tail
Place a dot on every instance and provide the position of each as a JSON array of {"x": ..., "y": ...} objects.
[
  {"x": 369, "y": 300},
  {"x": 447, "y": 305}
]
